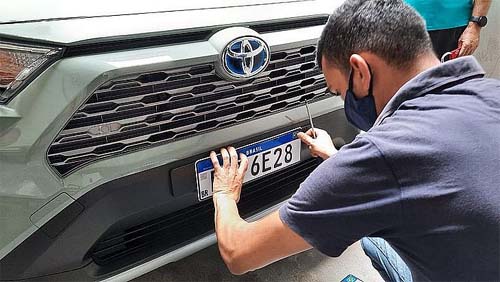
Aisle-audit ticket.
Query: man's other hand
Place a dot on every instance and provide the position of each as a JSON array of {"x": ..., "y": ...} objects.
[
  {"x": 322, "y": 146},
  {"x": 228, "y": 178}
]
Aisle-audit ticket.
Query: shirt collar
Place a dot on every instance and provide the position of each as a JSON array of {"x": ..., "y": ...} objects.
[{"x": 431, "y": 79}]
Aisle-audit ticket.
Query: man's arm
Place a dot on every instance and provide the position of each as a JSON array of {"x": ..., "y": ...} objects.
[
  {"x": 246, "y": 246},
  {"x": 469, "y": 40}
]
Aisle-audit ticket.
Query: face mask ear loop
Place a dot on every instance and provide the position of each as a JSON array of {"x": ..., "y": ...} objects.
[
  {"x": 370, "y": 89},
  {"x": 351, "y": 83}
]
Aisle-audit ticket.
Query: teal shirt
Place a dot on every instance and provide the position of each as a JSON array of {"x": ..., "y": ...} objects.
[{"x": 443, "y": 14}]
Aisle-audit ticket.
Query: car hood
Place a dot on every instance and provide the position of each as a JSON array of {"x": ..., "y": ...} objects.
[
  {"x": 66, "y": 23},
  {"x": 21, "y": 11}
]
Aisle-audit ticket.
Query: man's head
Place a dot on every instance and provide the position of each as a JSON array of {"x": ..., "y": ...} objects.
[{"x": 376, "y": 40}]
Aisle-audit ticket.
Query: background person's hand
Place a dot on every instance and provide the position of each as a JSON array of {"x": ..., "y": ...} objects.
[
  {"x": 228, "y": 178},
  {"x": 469, "y": 40},
  {"x": 322, "y": 146}
]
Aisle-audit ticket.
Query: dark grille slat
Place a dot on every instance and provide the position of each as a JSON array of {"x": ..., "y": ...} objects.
[
  {"x": 147, "y": 109},
  {"x": 149, "y": 231},
  {"x": 76, "y": 144},
  {"x": 126, "y": 92},
  {"x": 133, "y": 133},
  {"x": 84, "y": 121},
  {"x": 112, "y": 239},
  {"x": 128, "y": 114}
]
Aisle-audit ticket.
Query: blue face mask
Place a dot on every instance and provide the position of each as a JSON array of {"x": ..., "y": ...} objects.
[{"x": 360, "y": 112}]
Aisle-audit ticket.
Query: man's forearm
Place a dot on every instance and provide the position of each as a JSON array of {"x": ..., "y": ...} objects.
[
  {"x": 481, "y": 7},
  {"x": 228, "y": 223}
]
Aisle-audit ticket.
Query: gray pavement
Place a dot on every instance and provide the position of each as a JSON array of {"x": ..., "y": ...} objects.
[{"x": 207, "y": 265}]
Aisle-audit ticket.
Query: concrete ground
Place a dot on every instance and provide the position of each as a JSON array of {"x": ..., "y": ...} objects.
[{"x": 309, "y": 266}]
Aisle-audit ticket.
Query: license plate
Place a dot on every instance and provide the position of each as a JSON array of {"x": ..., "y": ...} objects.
[{"x": 264, "y": 157}]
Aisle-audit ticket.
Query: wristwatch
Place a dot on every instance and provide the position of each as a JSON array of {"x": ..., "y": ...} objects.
[{"x": 481, "y": 21}]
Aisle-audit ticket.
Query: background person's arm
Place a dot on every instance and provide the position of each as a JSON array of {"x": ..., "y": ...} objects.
[{"x": 469, "y": 40}]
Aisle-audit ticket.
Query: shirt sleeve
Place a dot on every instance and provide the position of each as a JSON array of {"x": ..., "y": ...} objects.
[{"x": 349, "y": 196}]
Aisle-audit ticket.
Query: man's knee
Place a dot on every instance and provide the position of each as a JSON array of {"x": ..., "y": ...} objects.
[{"x": 371, "y": 247}]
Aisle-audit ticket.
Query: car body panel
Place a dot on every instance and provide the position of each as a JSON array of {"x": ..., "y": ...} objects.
[
  {"x": 99, "y": 29},
  {"x": 60, "y": 9}
]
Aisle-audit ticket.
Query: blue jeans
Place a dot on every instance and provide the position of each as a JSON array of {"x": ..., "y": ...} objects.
[{"x": 385, "y": 260}]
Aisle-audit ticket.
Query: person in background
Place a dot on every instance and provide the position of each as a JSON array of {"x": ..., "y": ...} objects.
[{"x": 453, "y": 24}]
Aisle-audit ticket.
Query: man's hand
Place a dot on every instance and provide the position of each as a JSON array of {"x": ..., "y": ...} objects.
[
  {"x": 469, "y": 40},
  {"x": 228, "y": 179},
  {"x": 322, "y": 146}
]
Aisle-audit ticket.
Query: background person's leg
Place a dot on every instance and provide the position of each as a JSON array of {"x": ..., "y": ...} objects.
[{"x": 385, "y": 260}]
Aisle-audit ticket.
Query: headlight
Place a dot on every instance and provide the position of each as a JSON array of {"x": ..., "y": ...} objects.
[{"x": 19, "y": 64}]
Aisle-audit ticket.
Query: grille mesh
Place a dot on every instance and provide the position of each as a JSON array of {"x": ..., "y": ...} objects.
[{"x": 144, "y": 110}]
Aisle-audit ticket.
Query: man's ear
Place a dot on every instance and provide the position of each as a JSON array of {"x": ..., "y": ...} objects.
[{"x": 361, "y": 75}]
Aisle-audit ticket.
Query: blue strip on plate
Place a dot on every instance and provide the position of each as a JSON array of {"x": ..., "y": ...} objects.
[{"x": 250, "y": 150}]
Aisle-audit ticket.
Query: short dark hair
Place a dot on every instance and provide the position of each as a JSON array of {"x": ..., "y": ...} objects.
[{"x": 388, "y": 28}]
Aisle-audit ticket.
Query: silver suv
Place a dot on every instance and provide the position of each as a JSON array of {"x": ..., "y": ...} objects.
[{"x": 109, "y": 109}]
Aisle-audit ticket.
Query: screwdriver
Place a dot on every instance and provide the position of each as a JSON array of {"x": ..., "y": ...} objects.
[{"x": 310, "y": 120}]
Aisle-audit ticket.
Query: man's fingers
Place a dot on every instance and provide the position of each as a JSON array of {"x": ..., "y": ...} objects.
[
  {"x": 305, "y": 138},
  {"x": 215, "y": 161},
  {"x": 234, "y": 158},
  {"x": 243, "y": 165},
  {"x": 225, "y": 158},
  {"x": 312, "y": 131}
]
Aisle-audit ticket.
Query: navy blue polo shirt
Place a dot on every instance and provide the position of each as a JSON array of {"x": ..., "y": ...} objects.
[{"x": 426, "y": 178}]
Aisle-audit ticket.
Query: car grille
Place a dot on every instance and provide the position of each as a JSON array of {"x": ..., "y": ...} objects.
[
  {"x": 128, "y": 245},
  {"x": 140, "y": 111}
]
